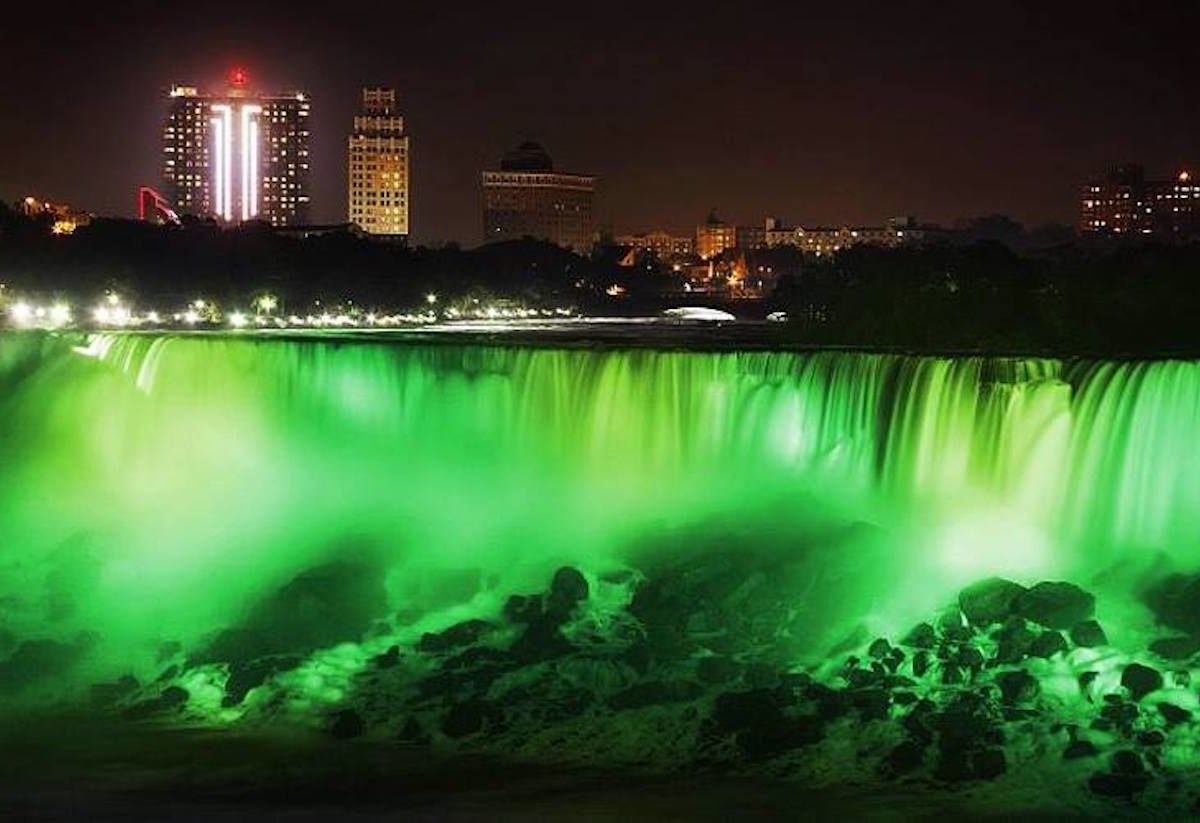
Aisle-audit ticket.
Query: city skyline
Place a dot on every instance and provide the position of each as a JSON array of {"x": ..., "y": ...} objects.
[{"x": 883, "y": 114}]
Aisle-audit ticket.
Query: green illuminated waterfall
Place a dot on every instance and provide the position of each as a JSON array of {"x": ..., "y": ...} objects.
[{"x": 154, "y": 487}]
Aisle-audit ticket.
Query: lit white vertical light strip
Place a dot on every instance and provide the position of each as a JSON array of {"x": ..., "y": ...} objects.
[
  {"x": 218, "y": 146},
  {"x": 224, "y": 136},
  {"x": 249, "y": 161}
]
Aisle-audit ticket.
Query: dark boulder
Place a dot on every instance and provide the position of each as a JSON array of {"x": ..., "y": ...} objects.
[
  {"x": 170, "y": 699},
  {"x": 1173, "y": 715},
  {"x": 244, "y": 676},
  {"x": 922, "y": 636},
  {"x": 1078, "y": 749},
  {"x": 1088, "y": 634},
  {"x": 1176, "y": 648},
  {"x": 522, "y": 609},
  {"x": 413, "y": 732},
  {"x": 1151, "y": 737},
  {"x": 989, "y": 601},
  {"x": 1017, "y": 687},
  {"x": 1056, "y": 605},
  {"x": 988, "y": 764},
  {"x": 716, "y": 670},
  {"x": 1013, "y": 641},
  {"x": 1175, "y": 601},
  {"x": 35, "y": 660},
  {"x": 106, "y": 694},
  {"x": 568, "y": 588},
  {"x": 467, "y": 718},
  {"x": 346, "y": 724},
  {"x": 457, "y": 636},
  {"x": 1141, "y": 680},
  {"x": 879, "y": 649},
  {"x": 387, "y": 659},
  {"x": 320, "y": 607},
  {"x": 733, "y": 711},
  {"x": 906, "y": 757},
  {"x": 1118, "y": 785},
  {"x": 759, "y": 742},
  {"x": 541, "y": 640},
  {"x": 1048, "y": 644}
]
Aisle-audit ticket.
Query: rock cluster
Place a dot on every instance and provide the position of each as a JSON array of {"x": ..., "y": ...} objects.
[{"x": 699, "y": 661}]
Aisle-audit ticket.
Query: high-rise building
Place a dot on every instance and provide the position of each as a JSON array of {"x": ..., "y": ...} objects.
[
  {"x": 378, "y": 166},
  {"x": 237, "y": 155},
  {"x": 1125, "y": 202},
  {"x": 528, "y": 198}
]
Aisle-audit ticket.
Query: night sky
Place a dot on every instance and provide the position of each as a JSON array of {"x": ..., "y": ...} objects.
[{"x": 821, "y": 113}]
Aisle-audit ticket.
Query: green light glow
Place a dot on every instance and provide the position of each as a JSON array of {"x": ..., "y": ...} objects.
[{"x": 156, "y": 488}]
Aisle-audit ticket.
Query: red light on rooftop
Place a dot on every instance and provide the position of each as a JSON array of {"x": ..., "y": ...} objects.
[{"x": 238, "y": 76}]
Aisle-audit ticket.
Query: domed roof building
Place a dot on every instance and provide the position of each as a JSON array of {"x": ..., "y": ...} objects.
[
  {"x": 529, "y": 156},
  {"x": 528, "y": 198}
]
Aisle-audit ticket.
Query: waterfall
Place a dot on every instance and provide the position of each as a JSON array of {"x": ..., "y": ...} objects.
[{"x": 197, "y": 469}]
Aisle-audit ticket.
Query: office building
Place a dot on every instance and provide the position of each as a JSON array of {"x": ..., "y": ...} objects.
[{"x": 378, "y": 167}]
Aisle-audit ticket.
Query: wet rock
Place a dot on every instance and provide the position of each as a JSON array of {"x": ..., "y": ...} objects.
[
  {"x": 170, "y": 699},
  {"x": 1151, "y": 737},
  {"x": 988, "y": 764},
  {"x": 1013, "y": 641},
  {"x": 244, "y": 676},
  {"x": 716, "y": 670},
  {"x": 906, "y": 757},
  {"x": 1017, "y": 687},
  {"x": 879, "y": 649},
  {"x": 746, "y": 709},
  {"x": 922, "y": 636},
  {"x": 1176, "y": 648},
  {"x": 467, "y": 718},
  {"x": 320, "y": 607},
  {"x": 1048, "y": 644},
  {"x": 413, "y": 732},
  {"x": 543, "y": 640},
  {"x": 970, "y": 657},
  {"x": 1176, "y": 602},
  {"x": 1174, "y": 715},
  {"x": 457, "y": 636},
  {"x": 522, "y": 609},
  {"x": 106, "y": 694},
  {"x": 1118, "y": 785},
  {"x": 346, "y": 724},
  {"x": 653, "y": 693},
  {"x": 1141, "y": 680},
  {"x": 35, "y": 660},
  {"x": 1088, "y": 634},
  {"x": 1056, "y": 605},
  {"x": 1127, "y": 762},
  {"x": 792, "y": 733},
  {"x": 871, "y": 704},
  {"x": 1078, "y": 749},
  {"x": 388, "y": 659},
  {"x": 989, "y": 601},
  {"x": 759, "y": 675},
  {"x": 568, "y": 588}
]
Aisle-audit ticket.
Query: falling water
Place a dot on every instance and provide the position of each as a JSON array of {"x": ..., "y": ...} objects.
[{"x": 165, "y": 481}]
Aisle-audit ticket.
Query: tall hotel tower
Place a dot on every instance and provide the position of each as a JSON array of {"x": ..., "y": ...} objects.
[
  {"x": 237, "y": 155},
  {"x": 378, "y": 167}
]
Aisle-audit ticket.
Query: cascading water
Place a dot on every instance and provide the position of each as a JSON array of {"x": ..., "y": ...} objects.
[{"x": 158, "y": 488}]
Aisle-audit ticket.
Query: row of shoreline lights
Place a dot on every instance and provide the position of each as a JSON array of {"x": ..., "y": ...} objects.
[{"x": 114, "y": 313}]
